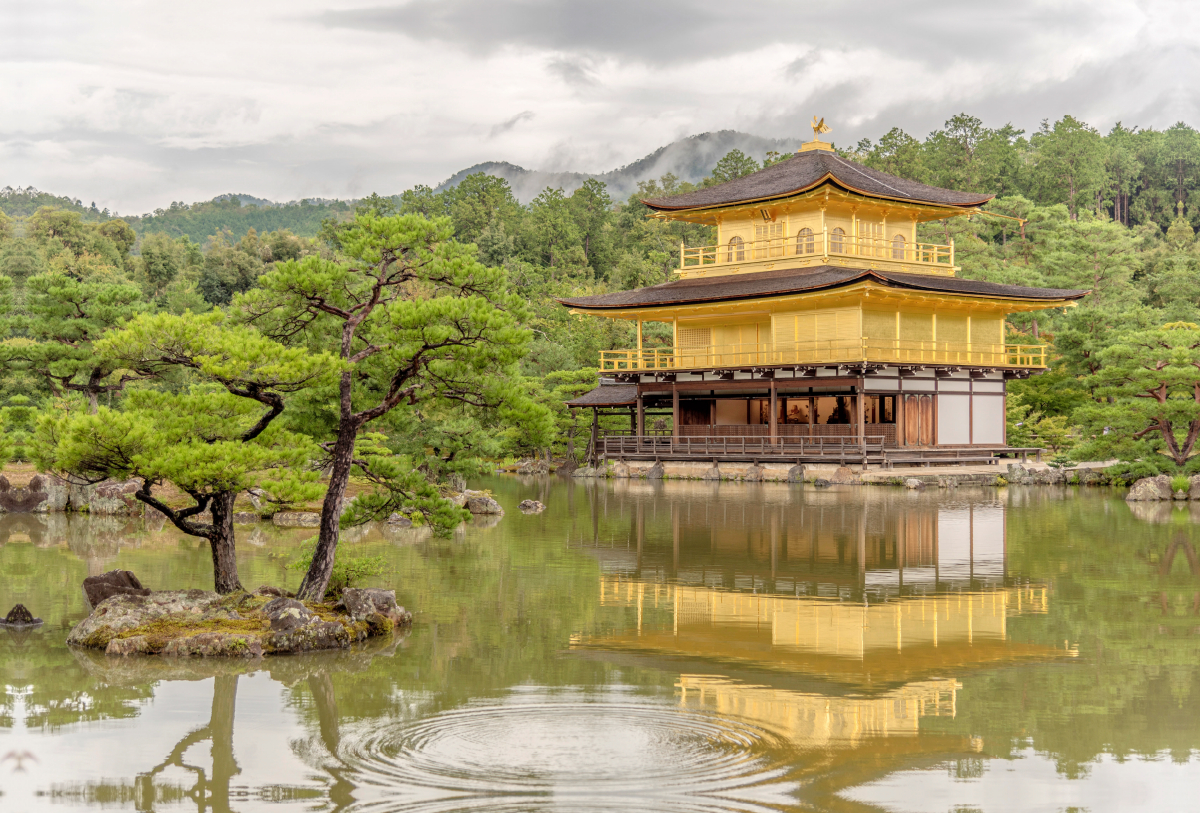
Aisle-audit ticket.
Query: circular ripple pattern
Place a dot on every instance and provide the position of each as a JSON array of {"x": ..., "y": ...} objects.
[{"x": 567, "y": 754}]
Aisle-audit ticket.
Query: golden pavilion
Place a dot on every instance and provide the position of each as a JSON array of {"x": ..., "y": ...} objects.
[{"x": 817, "y": 326}]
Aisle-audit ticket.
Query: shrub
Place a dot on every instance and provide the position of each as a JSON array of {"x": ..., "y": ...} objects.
[
  {"x": 1180, "y": 482},
  {"x": 347, "y": 570}
]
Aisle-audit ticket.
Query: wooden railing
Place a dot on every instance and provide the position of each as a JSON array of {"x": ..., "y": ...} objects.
[
  {"x": 868, "y": 448},
  {"x": 899, "y": 351},
  {"x": 932, "y": 257}
]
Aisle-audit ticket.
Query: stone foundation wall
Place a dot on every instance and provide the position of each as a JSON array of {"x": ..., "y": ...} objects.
[
  {"x": 1014, "y": 474},
  {"x": 48, "y": 494}
]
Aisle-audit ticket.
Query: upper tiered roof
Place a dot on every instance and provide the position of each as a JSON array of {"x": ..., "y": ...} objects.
[
  {"x": 808, "y": 170},
  {"x": 789, "y": 281}
]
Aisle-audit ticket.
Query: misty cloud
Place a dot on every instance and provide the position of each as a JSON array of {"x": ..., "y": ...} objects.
[
  {"x": 576, "y": 72},
  {"x": 134, "y": 106},
  {"x": 666, "y": 31},
  {"x": 506, "y": 125}
]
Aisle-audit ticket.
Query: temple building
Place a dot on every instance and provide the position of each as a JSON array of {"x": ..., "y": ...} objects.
[{"x": 816, "y": 327}]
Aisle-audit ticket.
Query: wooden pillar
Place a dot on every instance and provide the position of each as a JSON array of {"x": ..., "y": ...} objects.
[
  {"x": 774, "y": 413},
  {"x": 640, "y": 428},
  {"x": 674, "y": 411},
  {"x": 861, "y": 420},
  {"x": 595, "y": 436}
]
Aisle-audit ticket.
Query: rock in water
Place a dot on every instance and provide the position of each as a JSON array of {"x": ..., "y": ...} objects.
[
  {"x": 480, "y": 503},
  {"x": 656, "y": 472},
  {"x": 821, "y": 482},
  {"x": 113, "y": 583},
  {"x": 531, "y": 507},
  {"x": 19, "y": 616},
  {"x": 796, "y": 474},
  {"x": 844, "y": 477},
  {"x": 363, "y": 602},
  {"x": 398, "y": 520},
  {"x": 913, "y": 482},
  {"x": 533, "y": 467},
  {"x": 1150, "y": 489}
]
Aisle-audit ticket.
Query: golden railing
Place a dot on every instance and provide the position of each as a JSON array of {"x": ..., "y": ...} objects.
[
  {"x": 898, "y": 351},
  {"x": 932, "y": 257}
]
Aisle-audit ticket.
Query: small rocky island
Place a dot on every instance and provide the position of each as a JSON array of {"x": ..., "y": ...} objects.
[{"x": 129, "y": 619}]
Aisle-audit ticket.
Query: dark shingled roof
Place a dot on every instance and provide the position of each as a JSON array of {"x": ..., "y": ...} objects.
[
  {"x": 607, "y": 395},
  {"x": 805, "y": 171},
  {"x": 782, "y": 282}
]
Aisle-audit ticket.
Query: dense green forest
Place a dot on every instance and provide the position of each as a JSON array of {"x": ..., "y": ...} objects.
[{"x": 1113, "y": 213}]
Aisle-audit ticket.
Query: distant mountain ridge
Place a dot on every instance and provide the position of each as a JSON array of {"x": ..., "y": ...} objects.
[{"x": 690, "y": 159}]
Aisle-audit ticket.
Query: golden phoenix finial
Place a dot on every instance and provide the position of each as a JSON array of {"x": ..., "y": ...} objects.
[{"x": 819, "y": 127}]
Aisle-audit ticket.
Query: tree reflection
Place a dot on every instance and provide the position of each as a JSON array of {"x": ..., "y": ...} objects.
[{"x": 211, "y": 791}]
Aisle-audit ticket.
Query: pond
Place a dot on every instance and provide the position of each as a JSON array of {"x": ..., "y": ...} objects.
[{"x": 649, "y": 646}]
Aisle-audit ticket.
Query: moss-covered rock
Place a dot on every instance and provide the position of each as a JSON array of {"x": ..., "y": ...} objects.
[{"x": 198, "y": 623}]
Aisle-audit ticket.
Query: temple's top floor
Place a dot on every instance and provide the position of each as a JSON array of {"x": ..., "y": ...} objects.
[
  {"x": 816, "y": 208},
  {"x": 811, "y": 177}
]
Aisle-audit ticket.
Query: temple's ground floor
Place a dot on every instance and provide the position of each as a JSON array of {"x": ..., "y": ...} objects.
[{"x": 884, "y": 415}]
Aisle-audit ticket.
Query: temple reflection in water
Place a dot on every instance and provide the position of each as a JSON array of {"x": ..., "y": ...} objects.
[{"x": 834, "y": 620}]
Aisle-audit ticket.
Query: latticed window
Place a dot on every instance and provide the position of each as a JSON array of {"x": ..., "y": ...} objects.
[
  {"x": 898, "y": 247},
  {"x": 737, "y": 250},
  {"x": 694, "y": 346},
  {"x": 806, "y": 242},
  {"x": 768, "y": 240},
  {"x": 837, "y": 240},
  {"x": 695, "y": 336}
]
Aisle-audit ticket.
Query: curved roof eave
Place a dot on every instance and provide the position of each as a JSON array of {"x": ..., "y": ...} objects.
[
  {"x": 829, "y": 178},
  {"x": 864, "y": 274}
]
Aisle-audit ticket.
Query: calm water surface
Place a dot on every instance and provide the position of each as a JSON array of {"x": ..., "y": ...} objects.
[{"x": 650, "y": 646}]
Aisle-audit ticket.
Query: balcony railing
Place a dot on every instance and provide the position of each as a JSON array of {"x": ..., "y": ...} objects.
[
  {"x": 932, "y": 258},
  {"x": 897, "y": 351}
]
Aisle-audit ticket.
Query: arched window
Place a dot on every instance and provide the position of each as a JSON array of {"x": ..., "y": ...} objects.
[
  {"x": 837, "y": 241},
  {"x": 898, "y": 247},
  {"x": 737, "y": 250},
  {"x": 805, "y": 242}
]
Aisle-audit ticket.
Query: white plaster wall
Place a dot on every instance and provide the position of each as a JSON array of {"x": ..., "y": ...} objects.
[
  {"x": 987, "y": 419},
  {"x": 953, "y": 419}
]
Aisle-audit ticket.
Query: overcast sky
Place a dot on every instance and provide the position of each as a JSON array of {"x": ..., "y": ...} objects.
[{"x": 135, "y": 104}]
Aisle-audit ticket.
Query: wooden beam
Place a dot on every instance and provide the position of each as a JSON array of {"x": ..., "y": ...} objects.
[
  {"x": 774, "y": 413},
  {"x": 674, "y": 411}
]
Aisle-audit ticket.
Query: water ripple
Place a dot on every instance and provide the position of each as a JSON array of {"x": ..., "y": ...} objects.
[{"x": 567, "y": 753}]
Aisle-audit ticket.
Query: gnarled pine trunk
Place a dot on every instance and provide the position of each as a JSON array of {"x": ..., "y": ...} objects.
[
  {"x": 316, "y": 580},
  {"x": 219, "y": 534},
  {"x": 224, "y": 554}
]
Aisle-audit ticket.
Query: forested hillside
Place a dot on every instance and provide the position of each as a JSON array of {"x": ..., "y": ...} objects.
[{"x": 1112, "y": 213}]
